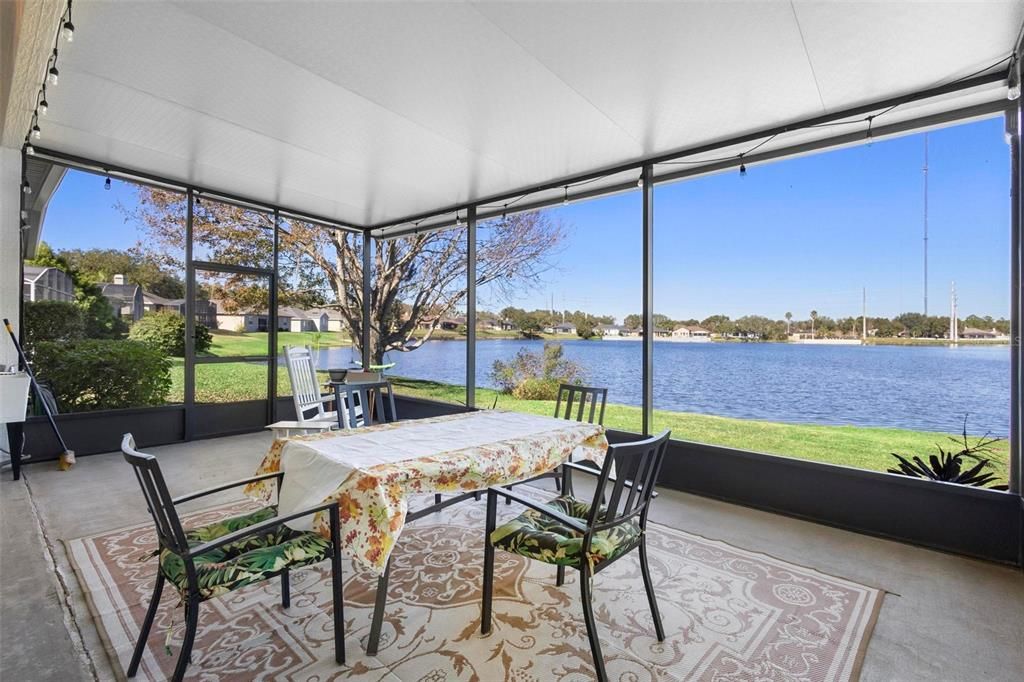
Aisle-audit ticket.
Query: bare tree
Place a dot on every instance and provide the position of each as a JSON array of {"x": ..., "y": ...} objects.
[{"x": 416, "y": 281}]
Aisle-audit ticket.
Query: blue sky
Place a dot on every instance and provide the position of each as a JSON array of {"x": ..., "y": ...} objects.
[
  {"x": 794, "y": 235},
  {"x": 805, "y": 234}
]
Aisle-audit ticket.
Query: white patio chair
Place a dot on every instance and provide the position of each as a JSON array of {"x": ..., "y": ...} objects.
[{"x": 310, "y": 414}]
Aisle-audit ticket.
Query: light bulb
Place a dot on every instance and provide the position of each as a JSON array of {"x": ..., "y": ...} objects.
[
  {"x": 44, "y": 106},
  {"x": 53, "y": 75},
  {"x": 106, "y": 184},
  {"x": 743, "y": 171},
  {"x": 640, "y": 182},
  {"x": 565, "y": 201},
  {"x": 25, "y": 187},
  {"x": 36, "y": 132},
  {"x": 68, "y": 32},
  {"x": 458, "y": 219},
  {"x": 29, "y": 149},
  {"x": 1013, "y": 92}
]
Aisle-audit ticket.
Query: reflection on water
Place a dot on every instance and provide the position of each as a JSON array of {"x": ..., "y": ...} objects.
[{"x": 926, "y": 388}]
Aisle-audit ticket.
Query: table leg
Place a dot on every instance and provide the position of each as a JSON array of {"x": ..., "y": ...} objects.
[
  {"x": 338, "y": 404},
  {"x": 378, "y": 611}
]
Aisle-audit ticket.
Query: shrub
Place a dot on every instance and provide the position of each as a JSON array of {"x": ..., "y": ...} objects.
[
  {"x": 549, "y": 365},
  {"x": 52, "y": 321},
  {"x": 103, "y": 374},
  {"x": 537, "y": 389},
  {"x": 166, "y": 330}
]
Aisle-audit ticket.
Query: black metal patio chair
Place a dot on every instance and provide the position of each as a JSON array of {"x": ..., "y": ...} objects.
[
  {"x": 572, "y": 404},
  {"x": 587, "y": 537},
  {"x": 214, "y": 559}
]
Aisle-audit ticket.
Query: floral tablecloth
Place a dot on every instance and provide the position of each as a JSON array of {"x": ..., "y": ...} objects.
[{"x": 371, "y": 471}]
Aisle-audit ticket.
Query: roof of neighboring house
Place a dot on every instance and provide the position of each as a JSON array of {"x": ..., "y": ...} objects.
[
  {"x": 565, "y": 325},
  {"x": 974, "y": 331},
  {"x": 124, "y": 292},
  {"x": 34, "y": 272},
  {"x": 609, "y": 327},
  {"x": 160, "y": 300},
  {"x": 692, "y": 329}
]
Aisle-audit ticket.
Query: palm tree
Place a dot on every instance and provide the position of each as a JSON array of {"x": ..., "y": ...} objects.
[
  {"x": 814, "y": 316},
  {"x": 789, "y": 318}
]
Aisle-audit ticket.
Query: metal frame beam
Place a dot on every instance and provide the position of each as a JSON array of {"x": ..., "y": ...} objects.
[
  {"x": 190, "y": 323},
  {"x": 471, "y": 307},
  {"x": 367, "y": 296},
  {"x": 648, "y": 297}
]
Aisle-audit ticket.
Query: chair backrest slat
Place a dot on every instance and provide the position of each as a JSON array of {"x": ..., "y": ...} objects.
[
  {"x": 158, "y": 499},
  {"x": 638, "y": 464},
  {"x": 578, "y": 397},
  {"x": 370, "y": 397},
  {"x": 305, "y": 386}
]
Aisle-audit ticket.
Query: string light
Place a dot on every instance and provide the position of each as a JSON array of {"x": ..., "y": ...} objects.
[
  {"x": 565, "y": 201},
  {"x": 640, "y": 181},
  {"x": 743, "y": 167},
  {"x": 106, "y": 183},
  {"x": 68, "y": 31},
  {"x": 1013, "y": 81},
  {"x": 25, "y": 187},
  {"x": 458, "y": 218},
  {"x": 65, "y": 30},
  {"x": 53, "y": 75}
]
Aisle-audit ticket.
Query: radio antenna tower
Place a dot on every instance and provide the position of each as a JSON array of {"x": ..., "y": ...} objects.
[{"x": 925, "y": 171}]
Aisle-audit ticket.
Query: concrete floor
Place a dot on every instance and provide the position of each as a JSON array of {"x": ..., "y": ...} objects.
[{"x": 946, "y": 617}]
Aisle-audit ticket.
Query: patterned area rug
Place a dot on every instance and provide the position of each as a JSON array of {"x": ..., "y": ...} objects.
[{"x": 729, "y": 614}]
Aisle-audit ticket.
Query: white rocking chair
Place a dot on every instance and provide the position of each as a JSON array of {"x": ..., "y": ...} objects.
[{"x": 310, "y": 414}]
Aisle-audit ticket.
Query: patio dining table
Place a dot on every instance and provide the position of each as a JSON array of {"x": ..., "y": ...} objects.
[{"x": 372, "y": 472}]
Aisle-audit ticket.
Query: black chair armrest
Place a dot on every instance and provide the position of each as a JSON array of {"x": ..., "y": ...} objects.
[
  {"x": 565, "y": 519},
  {"x": 226, "y": 486},
  {"x": 258, "y": 528},
  {"x": 597, "y": 472}
]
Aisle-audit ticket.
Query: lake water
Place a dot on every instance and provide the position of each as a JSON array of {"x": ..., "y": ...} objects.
[{"x": 924, "y": 388}]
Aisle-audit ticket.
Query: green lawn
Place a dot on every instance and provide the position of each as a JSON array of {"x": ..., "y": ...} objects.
[
  {"x": 854, "y": 446},
  {"x": 227, "y": 343}
]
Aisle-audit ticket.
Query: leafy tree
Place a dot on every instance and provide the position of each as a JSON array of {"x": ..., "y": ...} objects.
[
  {"x": 417, "y": 280},
  {"x": 98, "y": 317},
  {"x": 138, "y": 267},
  {"x": 166, "y": 331},
  {"x": 633, "y": 321},
  {"x": 814, "y": 316},
  {"x": 789, "y": 320}
]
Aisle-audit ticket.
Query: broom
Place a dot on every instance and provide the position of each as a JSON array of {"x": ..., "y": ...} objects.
[{"x": 67, "y": 457}]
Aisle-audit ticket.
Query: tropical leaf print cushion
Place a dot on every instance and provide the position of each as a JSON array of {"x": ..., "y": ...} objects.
[
  {"x": 537, "y": 536},
  {"x": 246, "y": 561}
]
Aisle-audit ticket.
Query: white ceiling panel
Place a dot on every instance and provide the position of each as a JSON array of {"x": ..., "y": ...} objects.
[{"x": 369, "y": 112}]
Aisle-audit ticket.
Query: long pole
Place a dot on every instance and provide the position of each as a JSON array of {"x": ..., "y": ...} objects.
[
  {"x": 925, "y": 171},
  {"x": 864, "y": 314}
]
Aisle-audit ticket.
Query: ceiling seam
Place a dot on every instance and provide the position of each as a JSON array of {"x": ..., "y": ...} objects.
[
  {"x": 807, "y": 54},
  {"x": 359, "y": 95},
  {"x": 579, "y": 94}
]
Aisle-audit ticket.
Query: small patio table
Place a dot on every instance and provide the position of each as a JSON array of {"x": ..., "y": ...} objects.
[{"x": 372, "y": 471}]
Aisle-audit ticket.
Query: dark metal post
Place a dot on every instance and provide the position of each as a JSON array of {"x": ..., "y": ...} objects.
[
  {"x": 367, "y": 294},
  {"x": 471, "y": 307},
  {"x": 648, "y": 296},
  {"x": 1013, "y": 130},
  {"x": 190, "y": 323},
  {"x": 272, "y": 335}
]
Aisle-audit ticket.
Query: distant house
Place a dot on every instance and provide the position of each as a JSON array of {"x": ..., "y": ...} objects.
[
  {"x": 251, "y": 320},
  {"x": 611, "y": 330},
  {"x": 41, "y": 283},
  {"x": 563, "y": 328},
  {"x": 305, "y": 320},
  {"x": 494, "y": 324},
  {"x": 206, "y": 312},
  {"x": 662, "y": 333},
  {"x": 125, "y": 298},
  {"x": 452, "y": 323},
  {"x": 975, "y": 333},
  {"x": 691, "y": 333}
]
